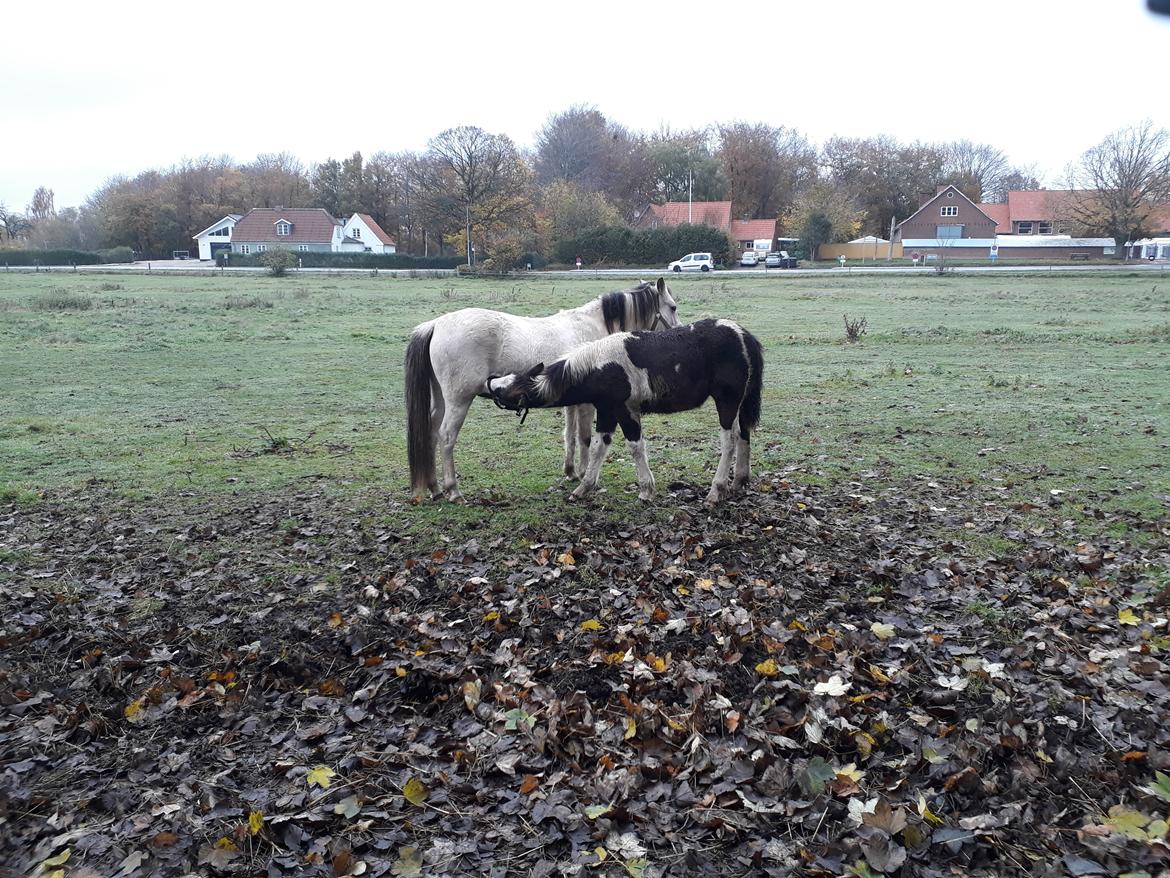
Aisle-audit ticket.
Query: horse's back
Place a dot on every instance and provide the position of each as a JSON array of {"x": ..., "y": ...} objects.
[{"x": 471, "y": 344}]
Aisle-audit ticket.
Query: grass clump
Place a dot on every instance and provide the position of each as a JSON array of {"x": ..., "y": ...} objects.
[{"x": 60, "y": 299}]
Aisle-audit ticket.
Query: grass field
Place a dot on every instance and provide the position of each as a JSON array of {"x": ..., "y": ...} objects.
[{"x": 163, "y": 384}]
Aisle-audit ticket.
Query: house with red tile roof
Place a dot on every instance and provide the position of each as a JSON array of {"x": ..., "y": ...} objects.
[
  {"x": 707, "y": 213},
  {"x": 306, "y": 230}
]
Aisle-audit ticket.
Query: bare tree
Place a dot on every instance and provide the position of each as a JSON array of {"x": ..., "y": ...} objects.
[
  {"x": 976, "y": 169},
  {"x": 1119, "y": 183},
  {"x": 885, "y": 177},
  {"x": 41, "y": 207},
  {"x": 479, "y": 175}
]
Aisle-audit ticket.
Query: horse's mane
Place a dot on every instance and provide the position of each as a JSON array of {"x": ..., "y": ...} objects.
[{"x": 630, "y": 309}]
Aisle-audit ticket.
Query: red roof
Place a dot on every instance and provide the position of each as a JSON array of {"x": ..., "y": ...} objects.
[
  {"x": 753, "y": 230},
  {"x": 1039, "y": 204},
  {"x": 376, "y": 229},
  {"x": 310, "y": 225},
  {"x": 709, "y": 213},
  {"x": 999, "y": 213}
]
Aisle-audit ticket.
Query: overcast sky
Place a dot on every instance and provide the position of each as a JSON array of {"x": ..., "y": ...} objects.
[{"x": 121, "y": 87}]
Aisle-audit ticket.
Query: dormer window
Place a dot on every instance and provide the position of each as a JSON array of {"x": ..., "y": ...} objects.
[{"x": 283, "y": 228}]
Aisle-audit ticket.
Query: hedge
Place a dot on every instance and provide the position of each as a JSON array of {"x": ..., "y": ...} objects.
[
  {"x": 66, "y": 257},
  {"x": 617, "y": 245},
  {"x": 351, "y": 260}
]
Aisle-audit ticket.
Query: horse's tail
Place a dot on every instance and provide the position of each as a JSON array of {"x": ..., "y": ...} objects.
[
  {"x": 420, "y": 441},
  {"x": 749, "y": 409}
]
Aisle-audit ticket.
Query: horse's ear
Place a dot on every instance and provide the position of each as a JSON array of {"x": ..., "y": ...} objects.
[
  {"x": 661, "y": 286},
  {"x": 536, "y": 370}
]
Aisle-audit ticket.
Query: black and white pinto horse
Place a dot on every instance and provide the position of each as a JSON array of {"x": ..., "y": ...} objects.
[
  {"x": 449, "y": 360},
  {"x": 628, "y": 374}
]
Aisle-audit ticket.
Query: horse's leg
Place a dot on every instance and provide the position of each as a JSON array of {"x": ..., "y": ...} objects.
[
  {"x": 448, "y": 432},
  {"x": 727, "y": 419},
  {"x": 438, "y": 408},
  {"x": 572, "y": 415},
  {"x": 598, "y": 450},
  {"x": 585, "y": 415},
  {"x": 632, "y": 429},
  {"x": 743, "y": 456}
]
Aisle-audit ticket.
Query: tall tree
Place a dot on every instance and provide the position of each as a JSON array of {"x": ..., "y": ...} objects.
[
  {"x": 682, "y": 163},
  {"x": 1021, "y": 178},
  {"x": 479, "y": 178},
  {"x": 275, "y": 179},
  {"x": 887, "y": 179},
  {"x": 822, "y": 214},
  {"x": 975, "y": 169},
  {"x": 41, "y": 207},
  {"x": 765, "y": 167},
  {"x": 355, "y": 196},
  {"x": 325, "y": 183},
  {"x": 13, "y": 225},
  {"x": 1120, "y": 182}
]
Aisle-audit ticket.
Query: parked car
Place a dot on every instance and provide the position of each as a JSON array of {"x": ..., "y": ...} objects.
[
  {"x": 749, "y": 259},
  {"x": 693, "y": 262},
  {"x": 780, "y": 259}
]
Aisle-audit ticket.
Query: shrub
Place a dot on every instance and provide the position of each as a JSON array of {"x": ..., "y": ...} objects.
[
  {"x": 278, "y": 261},
  {"x": 623, "y": 245},
  {"x": 116, "y": 254},
  {"x": 350, "y": 260},
  {"x": 60, "y": 299}
]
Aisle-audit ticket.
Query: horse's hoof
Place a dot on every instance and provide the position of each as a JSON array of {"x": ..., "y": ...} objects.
[
  {"x": 740, "y": 484},
  {"x": 646, "y": 495},
  {"x": 453, "y": 496},
  {"x": 713, "y": 497}
]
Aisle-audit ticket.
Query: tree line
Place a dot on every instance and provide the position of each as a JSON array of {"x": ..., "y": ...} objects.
[{"x": 584, "y": 172}]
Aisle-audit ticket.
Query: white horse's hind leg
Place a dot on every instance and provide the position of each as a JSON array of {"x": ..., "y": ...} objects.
[
  {"x": 743, "y": 458},
  {"x": 438, "y": 408},
  {"x": 642, "y": 467},
  {"x": 572, "y": 414},
  {"x": 719, "y": 484},
  {"x": 448, "y": 432},
  {"x": 598, "y": 450},
  {"x": 584, "y": 430}
]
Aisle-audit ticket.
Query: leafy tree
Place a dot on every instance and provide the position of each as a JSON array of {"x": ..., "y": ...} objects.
[
  {"x": 682, "y": 163},
  {"x": 822, "y": 214},
  {"x": 1120, "y": 182},
  {"x": 565, "y": 211},
  {"x": 325, "y": 184},
  {"x": 272, "y": 179},
  {"x": 765, "y": 167},
  {"x": 355, "y": 195},
  {"x": 886, "y": 178}
]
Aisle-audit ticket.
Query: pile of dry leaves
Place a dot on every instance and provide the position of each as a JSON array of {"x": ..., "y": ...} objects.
[{"x": 805, "y": 682}]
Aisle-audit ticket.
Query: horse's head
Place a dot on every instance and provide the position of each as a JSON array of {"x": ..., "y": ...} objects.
[
  {"x": 667, "y": 310},
  {"x": 514, "y": 391}
]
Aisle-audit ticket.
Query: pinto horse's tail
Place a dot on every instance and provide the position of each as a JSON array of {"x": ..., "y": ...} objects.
[
  {"x": 420, "y": 441},
  {"x": 749, "y": 409}
]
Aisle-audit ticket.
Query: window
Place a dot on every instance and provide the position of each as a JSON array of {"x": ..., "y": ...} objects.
[
  {"x": 955, "y": 231},
  {"x": 304, "y": 248},
  {"x": 244, "y": 249},
  {"x": 283, "y": 228},
  {"x": 356, "y": 232},
  {"x": 949, "y": 210},
  {"x": 220, "y": 233},
  {"x": 1043, "y": 228},
  {"x": 1024, "y": 227},
  {"x": 260, "y": 248},
  {"x": 951, "y": 194}
]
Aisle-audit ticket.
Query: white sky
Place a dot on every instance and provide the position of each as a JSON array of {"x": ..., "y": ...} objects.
[{"x": 89, "y": 90}]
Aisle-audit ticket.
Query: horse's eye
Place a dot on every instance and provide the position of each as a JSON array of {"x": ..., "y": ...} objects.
[{"x": 674, "y": 308}]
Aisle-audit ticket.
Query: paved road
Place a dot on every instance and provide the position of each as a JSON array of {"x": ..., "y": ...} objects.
[{"x": 188, "y": 266}]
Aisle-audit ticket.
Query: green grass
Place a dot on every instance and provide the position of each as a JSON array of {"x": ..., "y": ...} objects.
[{"x": 160, "y": 384}]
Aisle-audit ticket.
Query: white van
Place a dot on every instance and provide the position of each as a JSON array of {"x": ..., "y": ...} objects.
[{"x": 692, "y": 262}]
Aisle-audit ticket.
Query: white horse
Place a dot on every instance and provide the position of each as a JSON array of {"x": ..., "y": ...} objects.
[{"x": 450, "y": 360}]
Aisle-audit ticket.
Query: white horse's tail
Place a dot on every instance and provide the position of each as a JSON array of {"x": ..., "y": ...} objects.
[{"x": 420, "y": 441}]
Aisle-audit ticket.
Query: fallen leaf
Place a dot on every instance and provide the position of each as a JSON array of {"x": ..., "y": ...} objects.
[
  {"x": 1128, "y": 617},
  {"x": 590, "y": 625},
  {"x": 833, "y": 686},
  {"x": 321, "y": 776},
  {"x": 415, "y": 792},
  {"x": 882, "y": 631},
  {"x": 255, "y": 822},
  {"x": 768, "y": 668},
  {"x": 409, "y": 862}
]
